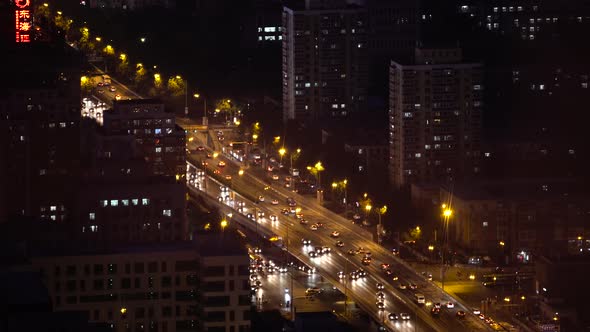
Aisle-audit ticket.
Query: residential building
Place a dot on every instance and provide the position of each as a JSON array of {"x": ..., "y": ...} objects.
[
  {"x": 435, "y": 106},
  {"x": 324, "y": 61},
  {"x": 157, "y": 138},
  {"x": 170, "y": 287},
  {"x": 129, "y": 4},
  {"x": 39, "y": 129}
]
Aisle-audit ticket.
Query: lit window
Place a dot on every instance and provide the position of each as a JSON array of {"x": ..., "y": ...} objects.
[
  {"x": 135, "y": 201},
  {"x": 53, "y": 208},
  {"x": 125, "y": 202},
  {"x": 158, "y": 131},
  {"x": 407, "y": 114},
  {"x": 427, "y": 147},
  {"x": 269, "y": 29},
  {"x": 167, "y": 213},
  {"x": 158, "y": 149},
  {"x": 104, "y": 202},
  {"x": 91, "y": 216},
  {"x": 485, "y": 224},
  {"x": 307, "y": 85},
  {"x": 114, "y": 202},
  {"x": 145, "y": 201},
  {"x": 52, "y": 125},
  {"x": 342, "y": 105},
  {"x": 360, "y": 151},
  {"x": 168, "y": 130},
  {"x": 259, "y": 37},
  {"x": 62, "y": 124},
  {"x": 94, "y": 228},
  {"x": 477, "y": 87},
  {"x": 42, "y": 171},
  {"x": 269, "y": 38},
  {"x": 584, "y": 85},
  {"x": 53, "y": 217},
  {"x": 361, "y": 168},
  {"x": 334, "y": 105},
  {"x": 418, "y": 155}
]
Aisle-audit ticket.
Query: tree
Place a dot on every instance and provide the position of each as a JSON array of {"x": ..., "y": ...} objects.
[{"x": 176, "y": 86}]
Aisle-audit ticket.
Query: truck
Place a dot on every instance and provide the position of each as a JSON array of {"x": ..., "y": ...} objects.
[{"x": 420, "y": 299}]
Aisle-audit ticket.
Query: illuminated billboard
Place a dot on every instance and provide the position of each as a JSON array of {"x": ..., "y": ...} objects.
[{"x": 23, "y": 19}]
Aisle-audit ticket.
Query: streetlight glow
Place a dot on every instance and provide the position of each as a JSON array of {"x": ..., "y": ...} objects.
[
  {"x": 447, "y": 213},
  {"x": 282, "y": 151}
]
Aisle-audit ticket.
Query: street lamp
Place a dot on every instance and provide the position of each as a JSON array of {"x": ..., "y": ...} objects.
[
  {"x": 447, "y": 213},
  {"x": 381, "y": 212},
  {"x": 197, "y": 96},
  {"x": 282, "y": 152}
]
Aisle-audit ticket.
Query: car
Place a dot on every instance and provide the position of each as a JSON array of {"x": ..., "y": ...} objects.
[
  {"x": 275, "y": 177},
  {"x": 312, "y": 254},
  {"x": 489, "y": 320},
  {"x": 388, "y": 272},
  {"x": 303, "y": 221},
  {"x": 335, "y": 234},
  {"x": 361, "y": 272},
  {"x": 261, "y": 198},
  {"x": 481, "y": 316},
  {"x": 354, "y": 276},
  {"x": 250, "y": 216},
  {"x": 450, "y": 305},
  {"x": 340, "y": 244},
  {"x": 274, "y": 202},
  {"x": 100, "y": 84},
  {"x": 395, "y": 251},
  {"x": 402, "y": 286},
  {"x": 306, "y": 242},
  {"x": 351, "y": 252},
  {"x": 313, "y": 291},
  {"x": 107, "y": 83},
  {"x": 356, "y": 216},
  {"x": 360, "y": 250},
  {"x": 216, "y": 171},
  {"x": 221, "y": 138},
  {"x": 436, "y": 305},
  {"x": 319, "y": 224},
  {"x": 393, "y": 316},
  {"x": 273, "y": 217},
  {"x": 413, "y": 286},
  {"x": 476, "y": 311},
  {"x": 228, "y": 177},
  {"x": 395, "y": 278},
  {"x": 313, "y": 227},
  {"x": 326, "y": 250},
  {"x": 200, "y": 148},
  {"x": 285, "y": 211},
  {"x": 460, "y": 314},
  {"x": 384, "y": 266},
  {"x": 117, "y": 97},
  {"x": 380, "y": 286},
  {"x": 341, "y": 275},
  {"x": 380, "y": 305},
  {"x": 368, "y": 254},
  {"x": 366, "y": 261},
  {"x": 380, "y": 295},
  {"x": 299, "y": 215},
  {"x": 404, "y": 316},
  {"x": 221, "y": 163},
  {"x": 112, "y": 89},
  {"x": 100, "y": 91},
  {"x": 435, "y": 311}
]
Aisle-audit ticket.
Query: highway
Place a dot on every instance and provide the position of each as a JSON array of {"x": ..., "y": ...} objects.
[{"x": 363, "y": 290}]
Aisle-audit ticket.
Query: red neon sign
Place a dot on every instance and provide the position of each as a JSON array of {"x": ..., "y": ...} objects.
[{"x": 23, "y": 25}]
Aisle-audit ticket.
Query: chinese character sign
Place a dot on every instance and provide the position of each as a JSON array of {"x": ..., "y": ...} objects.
[{"x": 22, "y": 15}]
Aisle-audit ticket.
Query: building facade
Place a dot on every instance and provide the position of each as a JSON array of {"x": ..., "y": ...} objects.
[
  {"x": 435, "y": 107},
  {"x": 166, "y": 288},
  {"x": 39, "y": 130},
  {"x": 324, "y": 62},
  {"x": 158, "y": 140}
]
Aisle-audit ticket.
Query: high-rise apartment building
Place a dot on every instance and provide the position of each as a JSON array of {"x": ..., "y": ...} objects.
[
  {"x": 324, "y": 61},
  {"x": 435, "y": 108},
  {"x": 157, "y": 138},
  {"x": 39, "y": 130}
]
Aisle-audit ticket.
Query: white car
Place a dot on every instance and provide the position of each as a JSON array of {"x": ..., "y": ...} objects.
[
  {"x": 313, "y": 227},
  {"x": 261, "y": 198},
  {"x": 380, "y": 286},
  {"x": 274, "y": 202},
  {"x": 275, "y": 177},
  {"x": 273, "y": 217},
  {"x": 404, "y": 316},
  {"x": 306, "y": 242},
  {"x": 335, "y": 234},
  {"x": 476, "y": 311},
  {"x": 450, "y": 305}
]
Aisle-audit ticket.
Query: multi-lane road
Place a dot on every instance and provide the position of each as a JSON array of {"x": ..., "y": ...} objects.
[{"x": 364, "y": 290}]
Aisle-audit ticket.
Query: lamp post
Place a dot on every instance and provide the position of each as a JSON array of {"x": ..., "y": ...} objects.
[
  {"x": 447, "y": 213},
  {"x": 381, "y": 212},
  {"x": 198, "y": 95}
]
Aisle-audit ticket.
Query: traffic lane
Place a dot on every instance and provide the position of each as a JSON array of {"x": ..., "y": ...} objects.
[{"x": 319, "y": 240}]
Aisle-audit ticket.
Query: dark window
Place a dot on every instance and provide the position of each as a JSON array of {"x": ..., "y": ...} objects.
[
  {"x": 244, "y": 300},
  {"x": 128, "y": 268},
  {"x": 247, "y": 314},
  {"x": 71, "y": 270},
  {"x": 216, "y": 329},
  {"x": 214, "y": 271},
  {"x": 177, "y": 280},
  {"x": 153, "y": 267},
  {"x": 185, "y": 295},
  {"x": 138, "y": 268},
  {"x": 71, "y": 300},
  {"x": 166, "y": 281},
  {"x": 57, "y": 286},
  {"x": 244, "y": 328},
  {"x": 110, "y": 283},
  {"x": 245, "y": 285},
  {"x": 71, "y": 285},
  {"x": 140, "y": 312},
  {"x": 82, "y": 285},
  {"x": 58, "y": 300},
  {"x": 150, "y": 282},
  {"x": 215, "y": 316},
  {"x": 57, "y": 271},
  {"x": 167, "y": 311},
  {"x": 217, "y": 301},
  {"x": 231, "y": 270},
  {"x": 163, "y": 267},
  {"x": 98, "y": 269},
  {"x": 112, "y": 268},
  {"x": 125, "y": 283},
  {"x": 185, "y": 266},
  {"x": 232, "y": 316},
  {"x": 98, "y": 284},
  {"x": 214, "y": 286},
  {"x": 87, "y": 269},
  {"x": 96, "y": 314},
  {"x": 231, "y": 286},
  {"x": 137, "y": 283},
  {"x": 191, "y": 280}
]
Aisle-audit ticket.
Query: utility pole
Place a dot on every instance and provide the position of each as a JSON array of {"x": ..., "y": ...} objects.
[{"x": 186, "y": 98}]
